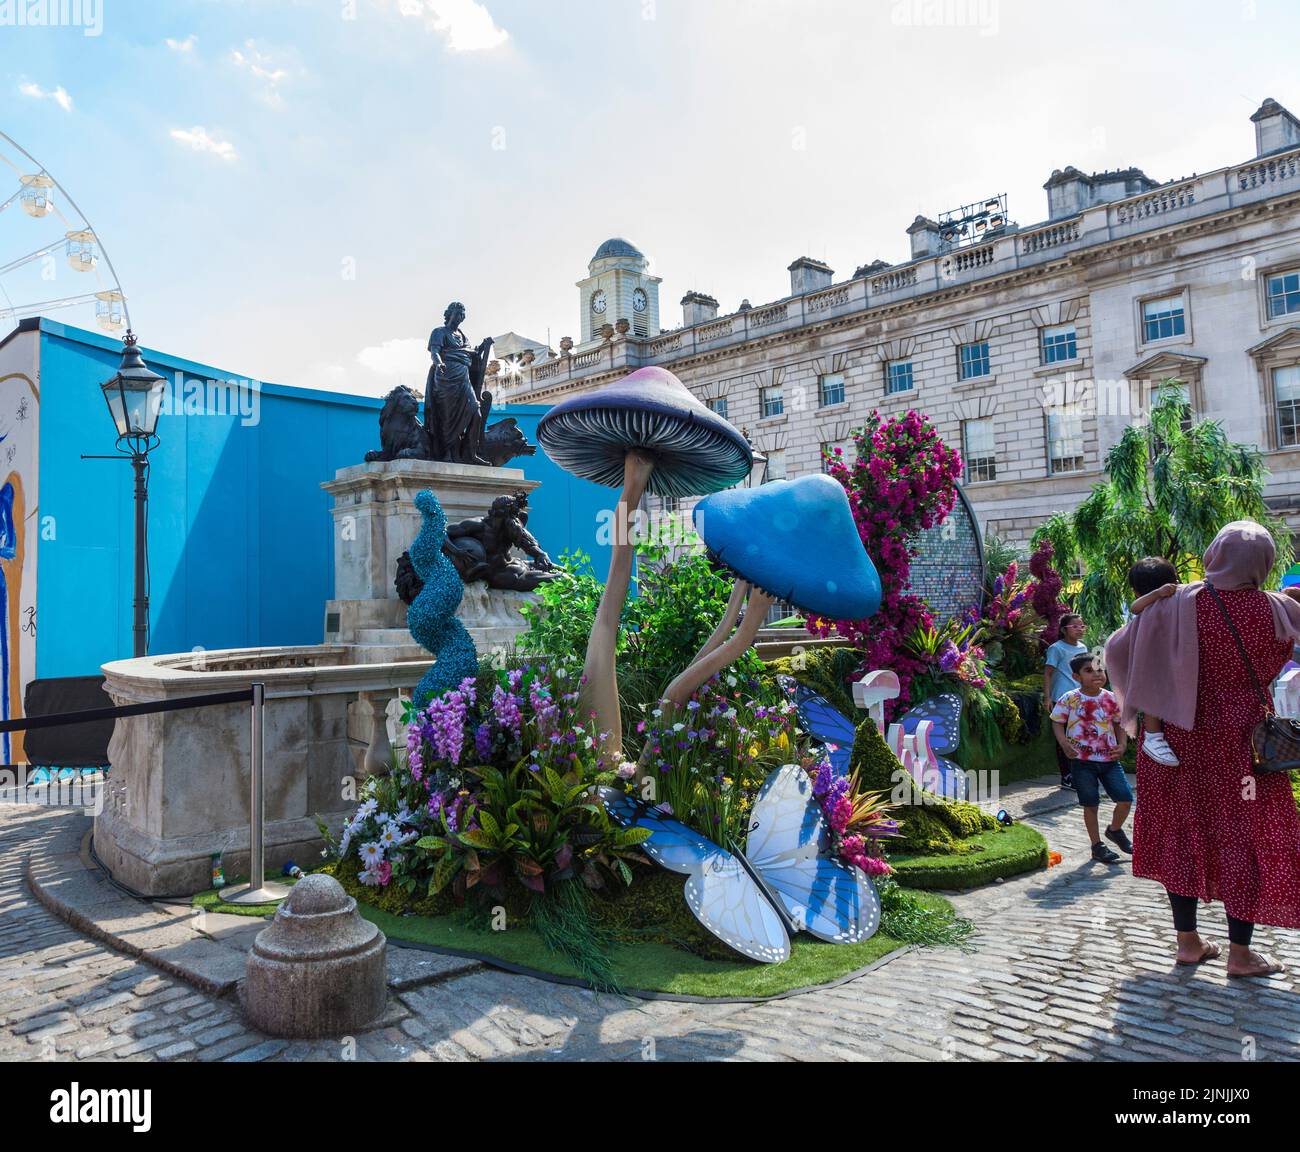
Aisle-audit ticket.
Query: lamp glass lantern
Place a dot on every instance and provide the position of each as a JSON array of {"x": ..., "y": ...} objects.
[{"x": 134, "y": 395}]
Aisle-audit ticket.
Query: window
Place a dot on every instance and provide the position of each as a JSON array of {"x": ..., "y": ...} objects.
[
  {"x": 979, "y": 448},
  {"x": 1059, "y": 344},
  {"x": 719, "y": 406},
  {"x": 974, "y": 360},
  {"x": 1286, "y": 398},
  {"x": 1283, "y": 294},
  {"x": 848, "y": 453},
  {"x": 772, "y": 401},
  {"x": 1163, "y": 319},
  {"x": 775, "y": 465},
  {"x": 1064, "y": 442},
  {"x": 830, "y": 389},
  {"x": 670, "y": 504},
  {"x": 1184, "y": 394},
  {"x": 898, "y": 377}
]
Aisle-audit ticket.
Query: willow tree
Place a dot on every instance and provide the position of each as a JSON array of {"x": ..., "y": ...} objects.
[{"x": 1170, "y": 486}]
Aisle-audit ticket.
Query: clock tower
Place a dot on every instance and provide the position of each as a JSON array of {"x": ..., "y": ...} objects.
[{"x": 618, "y": 286}]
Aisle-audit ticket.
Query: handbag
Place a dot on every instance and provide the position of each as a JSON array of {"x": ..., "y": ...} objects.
[{"x": 1275, "y": 742}]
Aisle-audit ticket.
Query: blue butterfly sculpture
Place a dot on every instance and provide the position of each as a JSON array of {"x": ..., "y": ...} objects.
[
  {"x": 830, "y": 728},
  {"x": 782, "y": 884},
  {"x": 825, "y": 723},
  {"x": 944, "y": 713}
]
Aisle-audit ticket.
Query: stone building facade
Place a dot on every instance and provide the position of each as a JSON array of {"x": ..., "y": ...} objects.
[{"x": 1031, "y": 348}]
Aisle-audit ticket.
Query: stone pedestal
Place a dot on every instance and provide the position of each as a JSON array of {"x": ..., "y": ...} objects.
[
  {"x": 375, "y": 521},
  {"x": 319, "y": 969}
]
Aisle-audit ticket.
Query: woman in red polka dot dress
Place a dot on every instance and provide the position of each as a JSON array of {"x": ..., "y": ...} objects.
[{"x": 1210, "y": 828}]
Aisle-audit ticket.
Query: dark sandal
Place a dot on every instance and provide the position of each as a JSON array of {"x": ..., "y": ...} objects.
[{"x": 1212, "y": 952}]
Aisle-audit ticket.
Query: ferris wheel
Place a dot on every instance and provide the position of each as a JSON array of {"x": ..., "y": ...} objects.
[{"x": 58, "y": 262}]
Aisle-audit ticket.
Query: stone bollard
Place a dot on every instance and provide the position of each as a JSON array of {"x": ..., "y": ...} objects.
[{"x": 319, "y": 968}]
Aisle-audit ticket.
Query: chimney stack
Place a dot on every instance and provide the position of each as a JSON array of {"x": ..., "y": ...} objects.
[
  {"x": 925, "y": 238},
  {"x": 697, "y": 308},
  {"x": 1276, "y": 129},
  {"x": 809, "y": 275}
]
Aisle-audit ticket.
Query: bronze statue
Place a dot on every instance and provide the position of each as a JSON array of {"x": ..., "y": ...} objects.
[
  {"x": 401, "y": 435},
  {"x": 456, "y": 405},
  {"x": 481, "y": 550},
  {"x": 456, "y": 408}
]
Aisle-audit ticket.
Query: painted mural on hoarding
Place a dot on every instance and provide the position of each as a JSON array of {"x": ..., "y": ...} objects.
[{"x": 19, "y": 529}]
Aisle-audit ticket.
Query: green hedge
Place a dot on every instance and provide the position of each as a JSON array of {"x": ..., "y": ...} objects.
[{"x": 990, "y": 856}]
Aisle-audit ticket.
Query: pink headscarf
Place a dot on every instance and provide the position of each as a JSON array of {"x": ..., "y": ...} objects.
[{"x": 1154, "y": 660}]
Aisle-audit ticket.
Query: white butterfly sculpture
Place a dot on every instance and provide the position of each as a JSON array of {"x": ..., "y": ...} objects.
[{"x": 781, "y": 884}]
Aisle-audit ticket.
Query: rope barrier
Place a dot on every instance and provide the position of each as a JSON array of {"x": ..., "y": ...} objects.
[{"x": 93, "y": 715}]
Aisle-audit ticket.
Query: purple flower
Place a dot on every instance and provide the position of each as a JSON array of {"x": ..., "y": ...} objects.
[
  {"x": 949, "y": 656},
  {"x": 483, "y": 742},
  {"x": 505, "y": 707}
]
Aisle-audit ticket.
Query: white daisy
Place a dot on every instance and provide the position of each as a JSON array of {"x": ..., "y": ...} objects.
[
  {"x": 369, "y": 877},
  {"x": 372, "y": 854}
]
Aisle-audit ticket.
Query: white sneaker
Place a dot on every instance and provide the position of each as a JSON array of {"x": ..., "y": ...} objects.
[{"x": 1157, "y": 747}]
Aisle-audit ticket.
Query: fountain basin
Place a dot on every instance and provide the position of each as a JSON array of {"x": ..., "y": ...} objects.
[{"x": 179, "y": 790}]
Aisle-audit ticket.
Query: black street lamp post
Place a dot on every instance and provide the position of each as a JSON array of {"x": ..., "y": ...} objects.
[{"x": 134, "y": 397}]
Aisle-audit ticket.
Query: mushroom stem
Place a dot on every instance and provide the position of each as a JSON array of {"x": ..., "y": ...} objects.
[
  {"x": 729, "y": 618},
  {"x": 680, "y": 690},
  {"x": 600, "y": 690}
]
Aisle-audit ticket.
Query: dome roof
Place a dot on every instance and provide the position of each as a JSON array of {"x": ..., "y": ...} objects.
[{"x": 618, "y": 247}]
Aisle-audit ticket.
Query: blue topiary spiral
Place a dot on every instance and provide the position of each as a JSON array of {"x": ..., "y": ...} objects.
[{"x": 432, "y": 618}]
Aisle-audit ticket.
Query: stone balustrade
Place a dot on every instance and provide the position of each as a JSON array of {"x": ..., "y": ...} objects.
[{"x": 1205, "y": 195}]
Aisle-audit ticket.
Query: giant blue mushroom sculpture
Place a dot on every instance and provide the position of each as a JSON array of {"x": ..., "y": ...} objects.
[
  {"x": 792, "y": 540},
  {"x": 648, "y": 433}
]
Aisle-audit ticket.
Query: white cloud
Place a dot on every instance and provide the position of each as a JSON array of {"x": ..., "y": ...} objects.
[
  {"x": 199, "y": 139},
  {"x": 399, "y": 357},
  {"x": 185, "y": 47},
  {"x": 261, "y": 66},
  {"x": 59, "y": 95},
  {"x": 467, "y": 25}
]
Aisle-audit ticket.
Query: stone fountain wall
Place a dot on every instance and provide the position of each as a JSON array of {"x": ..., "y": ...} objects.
[{"x": 178, "y": 792}]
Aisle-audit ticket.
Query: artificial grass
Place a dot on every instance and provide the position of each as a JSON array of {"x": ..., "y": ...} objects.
[
  {"x": 996, "y": 855},
  {"x": 649, "y": 966},
  {"x": 707, "y": 970},
  {"x": 210, "y": 901}
]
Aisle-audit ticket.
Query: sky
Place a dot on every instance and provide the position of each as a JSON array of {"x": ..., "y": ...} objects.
[{"x": 293, "y": 190}]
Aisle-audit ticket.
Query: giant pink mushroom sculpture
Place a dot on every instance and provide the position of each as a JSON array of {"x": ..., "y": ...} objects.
[{"x": 648, "y": 433}]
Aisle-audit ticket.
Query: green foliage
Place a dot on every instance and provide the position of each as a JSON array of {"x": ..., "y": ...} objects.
[
  {"x": 877, "y": 767},
  {"x": 677, "y": 604},
  {"x": 911, "y": 920},
  {"x": 926, "y": 823},
  {"x": 530, "y": 824},
  {"x": 996, "y": 855},
  {"x": 559, "y": 624},
  {"x": 654, "y": 910},
  {"x": 999, "y": 555},
  {"x": 1167, "y": 493},
  {"x": 565, "y": 922}
]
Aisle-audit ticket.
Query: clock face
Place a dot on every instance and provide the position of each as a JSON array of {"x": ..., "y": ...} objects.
[
  {"x": 599, "y": 302},
  {"x": 639, "y": 300}
]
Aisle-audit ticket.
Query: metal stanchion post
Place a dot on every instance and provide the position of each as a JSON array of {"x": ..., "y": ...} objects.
[{"x": 257, "y": 890}]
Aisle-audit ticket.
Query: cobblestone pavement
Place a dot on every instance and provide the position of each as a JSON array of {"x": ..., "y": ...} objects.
[{"x": 1074, "y": 963}]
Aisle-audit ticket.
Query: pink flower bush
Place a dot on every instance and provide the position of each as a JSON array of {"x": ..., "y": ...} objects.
[
  {"x": 903, "y": 481},
  {"x": 1045, "y": 592}
]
